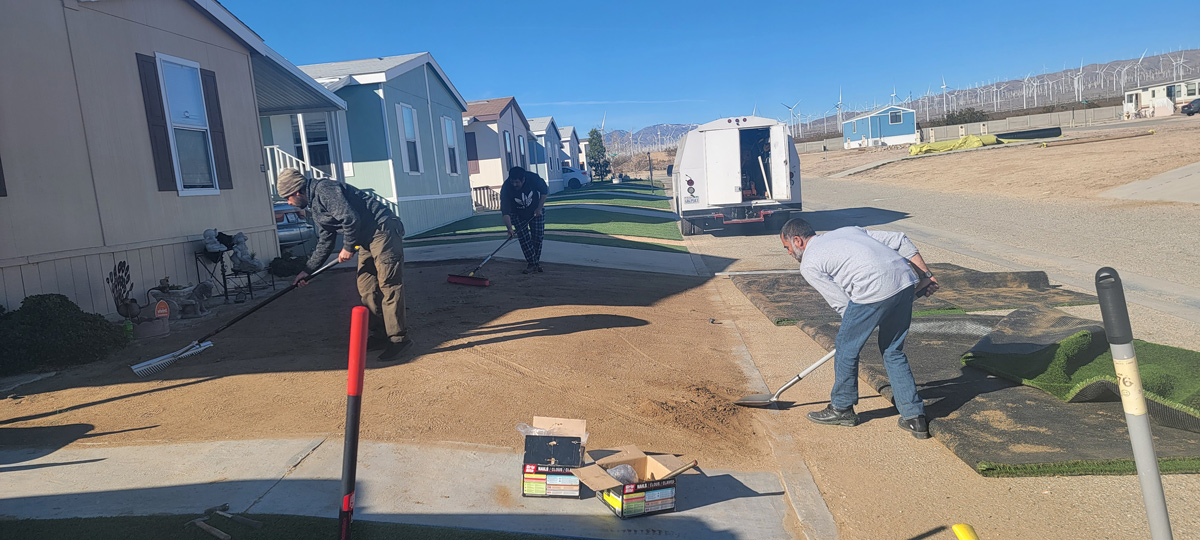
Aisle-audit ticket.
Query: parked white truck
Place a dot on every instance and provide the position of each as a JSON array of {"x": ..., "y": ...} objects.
[{"x": 735, "y": 170}]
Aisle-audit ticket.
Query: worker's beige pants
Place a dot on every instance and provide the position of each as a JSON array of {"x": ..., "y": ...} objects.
[{"x": 381, "y": 281}]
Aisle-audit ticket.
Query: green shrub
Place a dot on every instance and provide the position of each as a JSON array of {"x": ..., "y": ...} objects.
[
  {"x": 287, "y": 265},
  {"x": 50, "y": 331}
]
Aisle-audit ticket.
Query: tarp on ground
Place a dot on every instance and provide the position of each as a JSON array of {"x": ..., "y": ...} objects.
[
  {"x": 1070, "y": 359},
  {"x": 787, "y": 298},
  {"x": 997, "y": 426},
  {"x": 970, "y": 141}
]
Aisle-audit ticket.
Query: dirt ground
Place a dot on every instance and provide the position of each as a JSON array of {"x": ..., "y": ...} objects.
[
  {"x": 1076, "y": 171},
  {"x": 633, "y": 354}
]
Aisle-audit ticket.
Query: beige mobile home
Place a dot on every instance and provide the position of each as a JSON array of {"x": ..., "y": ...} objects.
[
  {"x": 497, "y": 138},
  {"x": 129, "y": 127}
]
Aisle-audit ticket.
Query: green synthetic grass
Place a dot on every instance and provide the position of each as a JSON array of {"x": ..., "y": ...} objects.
[
  {"x": 611, "y": 242},
  {"x": 616, "y": 200},
  {"x": 572, "y": 219},
  {"x": 640, "y": 186},
  {"x": 1170, "y": 375},
  {"x": 275, "y": 527},
  {"x": 1085, "y": 468},
  {"x": 940, "y": 311}
]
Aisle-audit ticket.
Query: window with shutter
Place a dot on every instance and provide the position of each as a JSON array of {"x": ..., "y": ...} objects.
[
  {"x": 187, "y": 133},
  {"x": 3, "y": 191}
]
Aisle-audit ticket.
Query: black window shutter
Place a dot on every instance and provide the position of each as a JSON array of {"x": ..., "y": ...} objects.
[
  {"x": 472, "y": 148},
  {"x": 156, "y": 121},
  {"x": 216, "y": 129},
  {"x": 3, "y": 192}
]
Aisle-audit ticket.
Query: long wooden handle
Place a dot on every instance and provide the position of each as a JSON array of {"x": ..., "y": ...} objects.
[{"x": 680, "y": 470}]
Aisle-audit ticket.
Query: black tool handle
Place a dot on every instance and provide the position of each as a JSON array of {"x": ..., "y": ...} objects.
[
  {"x": 1113, "y": 309},
  {"x": 263, "y": 303}
]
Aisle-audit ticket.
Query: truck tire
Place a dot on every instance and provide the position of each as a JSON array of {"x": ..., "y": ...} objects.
[
  {"x": 686, "y": 228},
  {"x": 775, "y": 221}
]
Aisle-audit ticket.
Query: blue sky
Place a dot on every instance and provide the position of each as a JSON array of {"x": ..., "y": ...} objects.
[{"x": 653, "y": 62}]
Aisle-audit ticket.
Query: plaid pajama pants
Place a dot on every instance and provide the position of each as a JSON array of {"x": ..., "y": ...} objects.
[{"x": 530, "y": 234}]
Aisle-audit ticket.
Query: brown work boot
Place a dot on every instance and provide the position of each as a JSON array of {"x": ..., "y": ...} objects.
[{"x": 395, "y": 349}]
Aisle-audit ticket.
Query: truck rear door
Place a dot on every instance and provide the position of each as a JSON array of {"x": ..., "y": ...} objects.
[
  {"x": 780, "y": 164},
  {"x": 723, "y": 166}
]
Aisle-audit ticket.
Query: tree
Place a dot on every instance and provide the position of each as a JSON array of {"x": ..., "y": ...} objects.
[{"x": 597, "y": 154}]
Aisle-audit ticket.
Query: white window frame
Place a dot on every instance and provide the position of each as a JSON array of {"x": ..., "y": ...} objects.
[
  {"x": 508, "y": 153},
  {"x": 400, "y": 106},
  {"x": 521, "y": 148},
  {"x": 900, "y": 113},
  {"x": 159, "y": 58},
  {"x": 449, "y": 138}
]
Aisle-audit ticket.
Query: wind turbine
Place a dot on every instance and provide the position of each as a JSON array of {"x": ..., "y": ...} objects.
[
  {"x": 839, "y": 107},
  {"x": 893, "y": 94},
  {"x": 944, "y": 111},
  {"x": 1137, "y": 71},
  {"x": 791, "y": 115}
]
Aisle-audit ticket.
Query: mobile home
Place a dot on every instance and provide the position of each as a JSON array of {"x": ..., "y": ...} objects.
[{"x": 735, "y": 170}]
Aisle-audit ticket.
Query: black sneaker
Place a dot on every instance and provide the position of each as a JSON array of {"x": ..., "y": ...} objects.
[
  {"x": 918, "y": 426},
  {"x": 833, "y": 416},
  {"x": 538, "y": 267},
  {"x": 395, "y": 349},
  {"x": 529, "y": 269},
  {"x": 376, "y": 343}
]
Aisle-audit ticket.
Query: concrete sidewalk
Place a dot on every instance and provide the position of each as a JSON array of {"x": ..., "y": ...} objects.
[
  {"x": 1179, "y": 185},
  {"x": 451, "y": 485}
]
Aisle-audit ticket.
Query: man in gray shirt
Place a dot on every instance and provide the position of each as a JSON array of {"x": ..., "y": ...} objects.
[{"x": 868, "y": 278}]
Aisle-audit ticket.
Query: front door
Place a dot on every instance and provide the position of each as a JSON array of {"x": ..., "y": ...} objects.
[
  {"x": 723, "y": 166},
  {"x": 780, "y": 186}
]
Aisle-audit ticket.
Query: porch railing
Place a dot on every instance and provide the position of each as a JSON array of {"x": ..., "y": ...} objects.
[
  {"x": 485, "y": 198},
  {"x": 278, "y": 160},
  {"x": 395, "y": 208}
]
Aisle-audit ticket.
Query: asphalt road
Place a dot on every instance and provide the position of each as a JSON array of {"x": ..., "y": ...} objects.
[{"x": 1152, "y": 245}]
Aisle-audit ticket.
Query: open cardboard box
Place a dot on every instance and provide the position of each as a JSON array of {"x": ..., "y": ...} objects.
[
  {"x": 649, "y": 495},
  {"x": 549, "y": 459}
]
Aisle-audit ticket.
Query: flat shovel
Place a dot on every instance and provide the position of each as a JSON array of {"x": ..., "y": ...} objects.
[{"x": 765, "y": 400}]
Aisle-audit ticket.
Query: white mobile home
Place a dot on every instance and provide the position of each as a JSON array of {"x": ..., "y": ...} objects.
[{"x": 735, "y": 170}]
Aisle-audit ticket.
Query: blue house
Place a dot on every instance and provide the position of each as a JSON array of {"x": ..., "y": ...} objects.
[
  {"x": 401, "y": 136},
  {"x": 890, "y": 125}
]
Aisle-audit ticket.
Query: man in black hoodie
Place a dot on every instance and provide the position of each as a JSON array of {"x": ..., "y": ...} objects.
[
  {"x": 521, "y": 200},
  {"x": 366, "y": 223}
]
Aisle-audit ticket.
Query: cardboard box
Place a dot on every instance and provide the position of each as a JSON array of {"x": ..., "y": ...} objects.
[
  {"x": 550, "y": 459},
  {"x": 646, "y": 496}
]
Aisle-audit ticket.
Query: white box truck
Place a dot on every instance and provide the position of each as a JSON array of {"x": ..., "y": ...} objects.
[{"x": 735, "y": 170}]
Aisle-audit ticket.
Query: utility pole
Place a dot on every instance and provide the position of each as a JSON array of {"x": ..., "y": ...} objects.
[{"x": 650, "y": 163}]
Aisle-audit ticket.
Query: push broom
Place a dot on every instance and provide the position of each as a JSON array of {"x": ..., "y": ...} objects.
[
  {"x": 470, "y": 278},
  {"x": 155, "y": 365}
]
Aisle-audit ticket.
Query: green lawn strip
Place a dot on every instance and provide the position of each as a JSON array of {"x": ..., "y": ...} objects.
[
  {"x": 590, "y": 240},
  {"x": 572, "y": 219},
  {"x": 634, "y": 187},
  {"x": 662, "y": 204},
  {"x": 275, "y": 527},
  {"x": 1170, "y": 375},
  {"x": 1085, "y": 467}
]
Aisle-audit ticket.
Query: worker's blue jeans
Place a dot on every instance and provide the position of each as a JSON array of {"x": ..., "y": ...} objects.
[{"x": 892, "y": 317}]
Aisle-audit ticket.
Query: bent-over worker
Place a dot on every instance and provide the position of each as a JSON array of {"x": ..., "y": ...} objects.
[
  {"x": 365, "y": 223},
  {"x": 868, "y": 278}
]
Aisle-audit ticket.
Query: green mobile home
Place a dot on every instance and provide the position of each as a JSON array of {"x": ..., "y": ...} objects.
[{"x": 400, "y": 136}]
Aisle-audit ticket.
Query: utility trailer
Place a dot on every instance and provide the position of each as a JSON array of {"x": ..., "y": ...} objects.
[{"x": 735, "y": 170}]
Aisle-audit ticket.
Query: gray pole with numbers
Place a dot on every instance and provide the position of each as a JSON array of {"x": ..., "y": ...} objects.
[{"x": 1133, "y": 399}]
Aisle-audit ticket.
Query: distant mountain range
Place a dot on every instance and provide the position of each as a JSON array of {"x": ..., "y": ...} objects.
[{"x": 1037, "y": 92}]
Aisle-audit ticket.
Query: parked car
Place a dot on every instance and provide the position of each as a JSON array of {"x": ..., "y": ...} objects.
[
  {"x": 575, "y": 178},
  {"x": 293, "y": 230},
  {"x": 1191, "y": 108}
]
